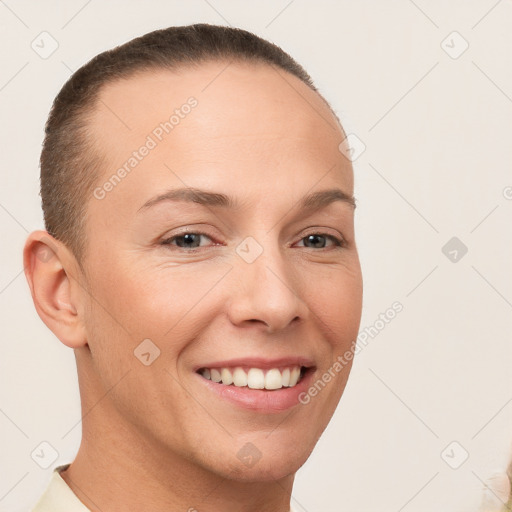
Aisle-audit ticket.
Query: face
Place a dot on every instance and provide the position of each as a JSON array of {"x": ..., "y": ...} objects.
[{"x": 245, "y": 275}]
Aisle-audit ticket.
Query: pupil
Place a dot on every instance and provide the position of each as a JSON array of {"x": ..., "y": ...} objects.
[
  {"x": 313, "y": 237},
  {"x": 189, "y": 239}
]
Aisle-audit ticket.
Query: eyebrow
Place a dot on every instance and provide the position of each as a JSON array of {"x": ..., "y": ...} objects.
[{"x": 311, "y": 202}]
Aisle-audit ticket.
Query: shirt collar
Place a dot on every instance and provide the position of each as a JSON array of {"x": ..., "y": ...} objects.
[{"x": 58, "y": 496}]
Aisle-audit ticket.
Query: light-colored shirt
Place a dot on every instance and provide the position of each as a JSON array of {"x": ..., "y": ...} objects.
[{"x": 58, "y": 496}]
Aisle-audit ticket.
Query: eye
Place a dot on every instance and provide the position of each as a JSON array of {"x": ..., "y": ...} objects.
[
  {"x": 316, "y": 240},
  {"x": 188, "y": 240}
]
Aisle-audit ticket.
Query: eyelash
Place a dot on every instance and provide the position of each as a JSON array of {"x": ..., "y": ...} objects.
[{"x": 339, "y": 243}]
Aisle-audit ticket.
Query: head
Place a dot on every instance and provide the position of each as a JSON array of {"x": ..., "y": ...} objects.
[{"x": 198, "y": 211}]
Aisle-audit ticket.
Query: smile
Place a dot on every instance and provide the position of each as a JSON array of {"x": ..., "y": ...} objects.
[
  {"x": 257, "y": 383},
  {"x": 255, "y": 378}
]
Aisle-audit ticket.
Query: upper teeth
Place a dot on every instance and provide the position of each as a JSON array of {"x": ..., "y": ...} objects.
[{"x": 254, "y": 378}]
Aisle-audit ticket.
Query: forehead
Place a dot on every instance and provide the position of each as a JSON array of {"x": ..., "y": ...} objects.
[
  {"x": 227, "y": 87},
  {"x": 250, "y": 122}
]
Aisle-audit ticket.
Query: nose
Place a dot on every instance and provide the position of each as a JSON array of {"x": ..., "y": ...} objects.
[{"x": 267, "y": 292}]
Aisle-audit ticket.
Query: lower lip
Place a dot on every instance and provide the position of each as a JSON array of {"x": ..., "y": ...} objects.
[{"x": 261, "y": 400}]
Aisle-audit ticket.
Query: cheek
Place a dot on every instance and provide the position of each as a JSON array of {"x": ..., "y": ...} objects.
[
  {"x": 338, "y": 306},
  {"x": 161, "y": 302}
]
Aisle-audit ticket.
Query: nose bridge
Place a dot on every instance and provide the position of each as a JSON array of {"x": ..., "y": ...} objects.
[{"x": 268, "y": 286}]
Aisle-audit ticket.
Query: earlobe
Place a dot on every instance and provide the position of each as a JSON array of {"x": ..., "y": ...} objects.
[{"x": 55, "y": 291}]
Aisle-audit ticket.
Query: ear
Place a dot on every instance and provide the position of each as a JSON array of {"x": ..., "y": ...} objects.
[{"x": 52, "y": 272}]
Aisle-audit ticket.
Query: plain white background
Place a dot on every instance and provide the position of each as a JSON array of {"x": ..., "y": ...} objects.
[{"x": 436, "y": 121}]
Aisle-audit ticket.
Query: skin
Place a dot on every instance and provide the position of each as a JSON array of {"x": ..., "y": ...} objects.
[{"x": 153, "y": 437}]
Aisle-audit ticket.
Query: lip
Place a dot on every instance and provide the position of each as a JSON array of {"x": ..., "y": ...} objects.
[
  {"x": 259, "y": 362},
  {"x": 260, "y": 400}
]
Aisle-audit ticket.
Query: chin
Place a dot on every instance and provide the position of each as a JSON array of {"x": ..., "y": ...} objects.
[
  {"x": 265, "y": 471},
  {"x": 252, "y": 465}
]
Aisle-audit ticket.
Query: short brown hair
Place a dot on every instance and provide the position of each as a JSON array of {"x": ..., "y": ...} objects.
[{"x": 70, "y": 165}]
